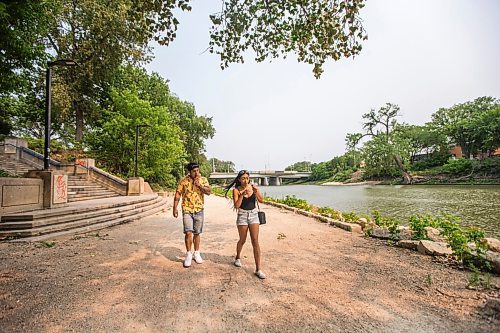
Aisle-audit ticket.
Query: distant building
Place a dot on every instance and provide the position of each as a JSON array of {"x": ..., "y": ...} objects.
[{"x": 456, "y": 152}]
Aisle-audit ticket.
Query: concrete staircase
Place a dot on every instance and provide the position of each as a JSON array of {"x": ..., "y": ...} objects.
[
  {"x": 78, "y": 217},
  {"x": 80, "y": 188},
  {"x": 14, "y": 167}
]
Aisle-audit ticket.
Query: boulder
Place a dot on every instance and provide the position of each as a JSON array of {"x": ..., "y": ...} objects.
[
  {"x": 493, "y": 244},
  {"x": 323, "y": 219},
  {"x": 405, "y": 233},
  {"x": 434, "y": 248},
  {"x": 494, "y": 259},
  {"x": 434, "y": 234},
  {"x": 352, "y": 227},
  {"x": 382, "y": 233},
  {"x": 362, "y": 222},
  {"x": 408, "y": 244}
]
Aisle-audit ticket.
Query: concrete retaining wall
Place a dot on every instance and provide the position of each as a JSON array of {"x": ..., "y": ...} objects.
[{"x": 20, "y": 194}]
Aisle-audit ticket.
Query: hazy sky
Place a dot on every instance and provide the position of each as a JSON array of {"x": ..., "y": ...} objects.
[{"x": 421, "y": 55}]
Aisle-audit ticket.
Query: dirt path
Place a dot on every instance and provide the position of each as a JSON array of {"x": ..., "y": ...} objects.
[{"x": 320, "y": 279}]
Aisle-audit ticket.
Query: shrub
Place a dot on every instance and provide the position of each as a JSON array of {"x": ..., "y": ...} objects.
[
  {"x": 330, "y": 212},
  {"x": 458, "y": 167},
  {"x": 350, "y": 216}
]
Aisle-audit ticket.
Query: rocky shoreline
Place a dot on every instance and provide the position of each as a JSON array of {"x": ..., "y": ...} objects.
[{"x": 435, "y": 245}]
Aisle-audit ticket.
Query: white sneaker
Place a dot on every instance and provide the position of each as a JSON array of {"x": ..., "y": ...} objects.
[
  {"x": 237, "y": 263},
  {"x": 260, "y": 275},
  {"x": 197, "y": 257},
  {"x": 189, "y": 258}
]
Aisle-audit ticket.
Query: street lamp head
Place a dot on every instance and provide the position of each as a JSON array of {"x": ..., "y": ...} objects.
[{"x": 63, "y": 62}]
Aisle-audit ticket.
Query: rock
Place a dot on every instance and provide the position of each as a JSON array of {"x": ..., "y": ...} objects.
[
  {"x": 323, "y": 219},
  {"x": 305, "y": 213},
  {"x": 405, "y": 233},
  {"x": 433, "y": 248},
  {"x": 494, "y": 259},
  {"x": 493, "y": 244},
  {"x": 352, "y": 227},
  {"x": 408, "y": 244},
  {"x": 434, "y": 234},
  {"x": 362, "y": 222},
  {"x": 382, "y": 233},
  {"x": 370, "y": 225},
  {"x": 492, "y": 308}
]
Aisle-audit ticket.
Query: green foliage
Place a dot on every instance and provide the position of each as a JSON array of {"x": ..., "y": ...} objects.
[
  {"x": 303, "y": 166},
  {"x": 22, "y": 27},
  {"x": 458, "y": 166},
  {"x": 216, "y": 165},
  {"x": 316, "y": 30},
  {"x": 338, "y": 168},
  {"x": 221, "y": 191},
  {"x": 419, "y": 222},
  {"x": 350, "y": 216},
  {"x": 459, "y": 238},
  {"x": 390, "y": 223},
  {"x": 473, "y": 125},
  {"x": 330, "y": 212},
  {"x": 161, "y": 152},
  {"x": 433, "y": 160},
  {"x": 293, "y": 201},
  {"x": 4, "y": 173},
  {"x": 154, "y": 89}
]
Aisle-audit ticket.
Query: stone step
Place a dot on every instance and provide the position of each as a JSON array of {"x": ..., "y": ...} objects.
[
  {"x": 78, "y": 188},
  {"x": 99, "y": 226},
  {"x": 102, "y": 196},
  {"x": 76, "y": 208},
  {"x": 64, "y": 219},
  {"x": 81, "y": 194},
  {"x": 86, "y": 225}
]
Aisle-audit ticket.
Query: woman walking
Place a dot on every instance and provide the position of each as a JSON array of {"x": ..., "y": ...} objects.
[{"x": 245, "y": 196}]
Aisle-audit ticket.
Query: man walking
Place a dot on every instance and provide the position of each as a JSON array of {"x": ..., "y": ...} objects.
[{"x": 192, "y": 188}]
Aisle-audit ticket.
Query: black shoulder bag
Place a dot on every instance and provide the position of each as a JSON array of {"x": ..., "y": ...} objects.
[{"x": 260, "y": 214}]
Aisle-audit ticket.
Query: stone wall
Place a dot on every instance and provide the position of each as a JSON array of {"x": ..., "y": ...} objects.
[{"x": 20, "y": 194}]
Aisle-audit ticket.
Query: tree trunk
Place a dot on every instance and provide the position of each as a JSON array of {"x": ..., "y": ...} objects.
[
  {"x": 79, "y": 122},
  {"x": 407, "y": 179}
]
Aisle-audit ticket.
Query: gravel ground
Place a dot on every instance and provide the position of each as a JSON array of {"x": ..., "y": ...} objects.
[{"x": 130, "y": 278}]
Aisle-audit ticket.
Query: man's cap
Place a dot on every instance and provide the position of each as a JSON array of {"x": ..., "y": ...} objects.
[{"x": 192, "y": 166}]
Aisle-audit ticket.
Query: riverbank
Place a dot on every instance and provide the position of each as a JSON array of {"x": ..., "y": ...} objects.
[{"x": 320, "y": 278}]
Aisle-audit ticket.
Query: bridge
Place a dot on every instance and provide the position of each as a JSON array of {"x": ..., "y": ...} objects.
[{"x": 265, "y": 178}]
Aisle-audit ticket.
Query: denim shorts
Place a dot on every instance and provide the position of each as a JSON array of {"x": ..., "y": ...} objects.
[
  {"x": 193, "y": 222},
  {"x": 247, "y": 217}
]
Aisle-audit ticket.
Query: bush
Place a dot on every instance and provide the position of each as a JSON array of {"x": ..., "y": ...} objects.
[
  {"x": 458, "y": 167},
  {"x": 350, "y": 216},
  {"x": 330, "y": 212},
  {"x": 433, "y": 160}
]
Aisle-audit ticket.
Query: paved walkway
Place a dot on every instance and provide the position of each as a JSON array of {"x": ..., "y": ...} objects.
[{"x": 320, "y": 279}]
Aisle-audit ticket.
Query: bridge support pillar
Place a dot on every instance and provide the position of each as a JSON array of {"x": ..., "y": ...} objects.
[
  {"x": 274, "y": 181},
  {"x": 264, "y": 181}
]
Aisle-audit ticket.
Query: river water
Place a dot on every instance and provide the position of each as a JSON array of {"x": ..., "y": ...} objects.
[{"x": 475, "y": 205}]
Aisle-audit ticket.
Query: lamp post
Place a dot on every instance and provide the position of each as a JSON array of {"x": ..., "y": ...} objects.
[
  {"x": 48, "y": 106},
  {"x": 137, "y": 145}
]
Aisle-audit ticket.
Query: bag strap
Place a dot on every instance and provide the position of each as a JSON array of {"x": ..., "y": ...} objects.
[{"x": 257, "y": 202}]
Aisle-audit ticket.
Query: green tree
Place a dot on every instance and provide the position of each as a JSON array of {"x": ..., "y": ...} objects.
[
  {"x": 162, "y": 153},
  {"x": 22, "y": 27},
  {"x": 316, "y": 30},
  {"x": 303, "y": 166},
  {"x": 461, "y": 123},
  {"x": 216, "y": 165},
  {"x": 385, "y": 149},
  {"x": 154, "y": 89},
  {"x": 422, "y": 139},
  {"x": 486, "y": 126}
]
